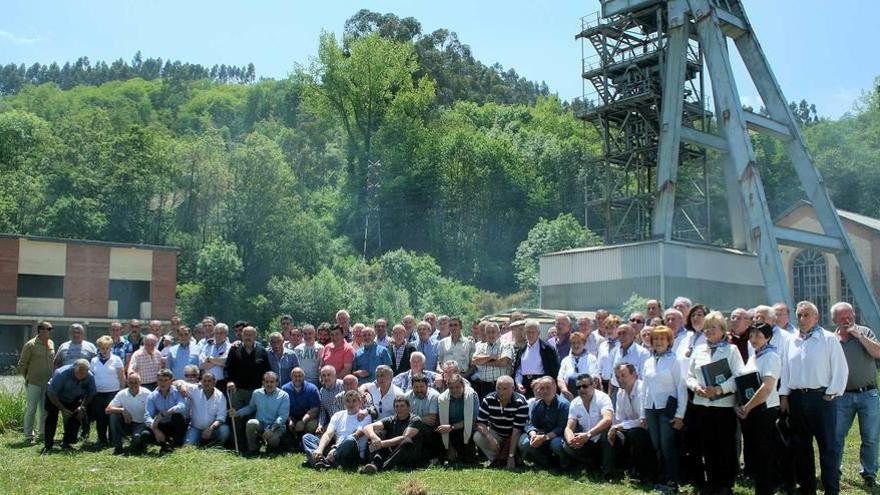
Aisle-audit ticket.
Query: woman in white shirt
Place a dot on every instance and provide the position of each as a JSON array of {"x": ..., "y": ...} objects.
[
  {"x": 758, "y": 415},
  {"x": 580, "y": 361},
  {"x": 109, "y": 374},
  {"x": 713, "y": 404},
  {"x": 665, "y": 399}
]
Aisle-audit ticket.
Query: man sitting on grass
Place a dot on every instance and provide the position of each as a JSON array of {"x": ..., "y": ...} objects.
[
  {"x": 401, "y": 446},
  {"x": 345, "y": 432},
  {"x": 166, "y": 425}
]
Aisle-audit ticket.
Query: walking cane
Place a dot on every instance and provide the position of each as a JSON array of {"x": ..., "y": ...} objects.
[{"x": 235, "y": 435}]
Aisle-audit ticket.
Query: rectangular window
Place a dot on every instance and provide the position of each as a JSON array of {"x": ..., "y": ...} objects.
[
  {"x": 49, "y": 286},
  {"x": 130, "y": 294}
]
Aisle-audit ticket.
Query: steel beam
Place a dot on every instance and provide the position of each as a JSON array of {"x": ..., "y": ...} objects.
[
  {"x": 670, "y": 121},
  {"x": 768, "y": 126},
  {"x": 810, "y": 178},
  {"x": 808, "y": 240},
  {"x": 615, "y": 7},
  {"x": 704, "y": 139},
  {"x": 732, "y": 127}
]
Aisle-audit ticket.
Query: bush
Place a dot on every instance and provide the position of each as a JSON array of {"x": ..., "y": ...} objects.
[{"x": 12, "y": 407}]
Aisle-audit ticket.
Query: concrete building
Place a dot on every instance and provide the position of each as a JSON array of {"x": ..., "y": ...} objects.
[
  {"x": 606, "y": 276},
  {"x": 74, "y": 281}
]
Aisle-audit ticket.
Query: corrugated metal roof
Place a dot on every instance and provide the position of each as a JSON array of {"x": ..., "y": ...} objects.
[
  {"x": 150, "y": 247},
  {"x": 871, "y": 223}
]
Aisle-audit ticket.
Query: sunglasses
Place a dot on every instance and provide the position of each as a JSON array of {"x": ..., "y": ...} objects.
[
  {"x": 585, "y": 386},
  {"x": 636, "y": 320}
]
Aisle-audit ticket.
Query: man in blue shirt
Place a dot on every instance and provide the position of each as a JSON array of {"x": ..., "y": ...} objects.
[
  {"x": 368, "y": 357},
  {"x": 181, "y": 354},
  {"x": 426, "y": 345},
  {"x": 548, "y": 416},
  {"x": 305, "y": 404},
  {"x": 165, "y": 423},
  {"x": 281, "y": 360},
  {"x": 270, "y": 406},
  {"x": 69, "y": 393}
]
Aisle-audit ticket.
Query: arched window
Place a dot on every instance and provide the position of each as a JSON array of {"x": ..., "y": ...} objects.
[{"x": 811, "y": 280}]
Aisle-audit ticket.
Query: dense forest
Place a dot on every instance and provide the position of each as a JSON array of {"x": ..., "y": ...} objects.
[{"x": 266, "y": 185}]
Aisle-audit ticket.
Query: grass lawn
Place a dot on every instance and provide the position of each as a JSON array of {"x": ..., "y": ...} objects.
[{"x": 24, "y": 471}]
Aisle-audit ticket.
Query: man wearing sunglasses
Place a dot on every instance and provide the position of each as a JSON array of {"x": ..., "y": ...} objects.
[{"x": 586, "y": 434}]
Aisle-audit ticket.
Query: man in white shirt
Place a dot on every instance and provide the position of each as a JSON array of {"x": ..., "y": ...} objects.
[
  {"x": 207, "y": 410},
  {"x": 345, "y": 432},
  {"x": 213, "y": 356},
  {"x": 535, "y": 360},
  {"x": 627, "y": 352},
  {"x": 127, "y": 413},
  {"x": 593, "y": 339},
  {"x": 586, "y": 434},
  {"x": 382, "y": 391},
  {"x": 675, "y": 321},
  {"x": 814, "y": 374},
  {"x": 629, "y": 435},
  {"x": 457, "y": 348}
]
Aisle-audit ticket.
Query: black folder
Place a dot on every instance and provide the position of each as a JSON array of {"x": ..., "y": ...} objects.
[
  {"x": 746, "y": 386},
  {"x": 716, "y": 373}
]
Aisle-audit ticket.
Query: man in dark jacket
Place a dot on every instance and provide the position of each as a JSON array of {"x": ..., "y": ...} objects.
[
  {"x": 536, "y": 359},
  {"x": 245, "y": 366}
]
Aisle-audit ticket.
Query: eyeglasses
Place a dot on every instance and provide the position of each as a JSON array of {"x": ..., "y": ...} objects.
[{"x": 636, "y": 320}]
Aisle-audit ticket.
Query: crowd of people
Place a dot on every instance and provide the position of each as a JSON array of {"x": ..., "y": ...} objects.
[{"x": 665, "y": 396}]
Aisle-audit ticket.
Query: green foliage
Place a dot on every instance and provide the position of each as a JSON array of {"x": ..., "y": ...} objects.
[
  {"x": 219, "y": 269},
  {"x": 547, "y": 236},
  {"x": 633, "y": 304},
  {"x": 12, "y": 406}
]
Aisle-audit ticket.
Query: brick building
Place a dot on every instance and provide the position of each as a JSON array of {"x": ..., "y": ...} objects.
[{"x": 74, "y": 281}]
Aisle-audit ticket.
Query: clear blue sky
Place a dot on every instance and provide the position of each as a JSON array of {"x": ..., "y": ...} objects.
[{"x": 821, "y": 50}]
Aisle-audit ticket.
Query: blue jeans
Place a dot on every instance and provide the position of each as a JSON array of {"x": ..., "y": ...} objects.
[
  {"x": 543, "y": 455},
  {"x": 194, "y": 436},
  {"x": 867, "y": 406},
  {"x": 663, "y": 439},
  {"x": 814, "y": 417},
  {"x": 347, "y": 453},
  {"x": 119, "y": 428}
]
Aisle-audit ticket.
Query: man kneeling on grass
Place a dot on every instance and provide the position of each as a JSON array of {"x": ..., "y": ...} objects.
[
  {"x": 270, "y": 406},
  {"x": 346, "y": 431},
  {"x": 402, "y": 444},
  {"x": 69, "y": 392},
  {"x": 127, "y": 411}
]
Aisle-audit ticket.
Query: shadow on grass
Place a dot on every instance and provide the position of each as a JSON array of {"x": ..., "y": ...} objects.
[{"x": 21, "y": 444}]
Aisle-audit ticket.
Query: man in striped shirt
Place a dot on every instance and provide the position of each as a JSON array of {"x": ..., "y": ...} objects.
[{"x": 501, "y": 420}]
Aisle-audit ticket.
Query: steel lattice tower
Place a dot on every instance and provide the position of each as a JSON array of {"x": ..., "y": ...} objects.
[{"x": 647, "y": 100}]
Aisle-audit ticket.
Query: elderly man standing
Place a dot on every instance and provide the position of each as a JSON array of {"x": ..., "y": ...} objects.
[
  {"x": 783, "y": 318},
  {"x": 147, "y": 361},
  {"x": 115, "y": 331},
  {"x": 593, "y": 338},
  {"x": 589, "y": 419},
  {"x": 166, "y": 406},
  {"x": 270, "y": 406},
  {"x": 459, "y": 408},
  {"x": 401, "y": 446},
  {"x": 127, "y": 412},
  {"x": 739, "y": 331},
  {"x": 330, "y": 388},
  {"x": 563, "y": 331},
  {"x": 35, "y": 366},
  {"x": 416, "y": 367},
  {"x": 212, "y": 359},
  {"x": 308, "y": 355},
  {"x": 133, "y": 341},
  {"x": 653, "y": 309},
  {"x": 207, "y": 412},
  {"x": 548, "y": 415},
  {"x": 675, "y": 321},
  {"x": 181, "y": 354},
  {"x": 457, "y": 348},
  {"x": 69, "y": 392},
  {"x": 427, "y": 345},
  {"x": 400, "y": 349},
  {"x": 814, "y": 376},
  {"x": 246, "y": 367},
  {"x": 492, "y": 358},
  {"x": 369, "y": 357},
  {"x": 501, "y": 421},
  {"x": 382, "y": 391},
  {"x": 861, "y": 349},
  {"x": 536, "y": 359},
  {"x": 76, "y": 348},
  {"x": 627, "y": 352},
  {"x": 281, "y": 359}
]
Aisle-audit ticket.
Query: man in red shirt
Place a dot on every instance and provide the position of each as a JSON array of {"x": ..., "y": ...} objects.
[{"x": 338, "y": 353}]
